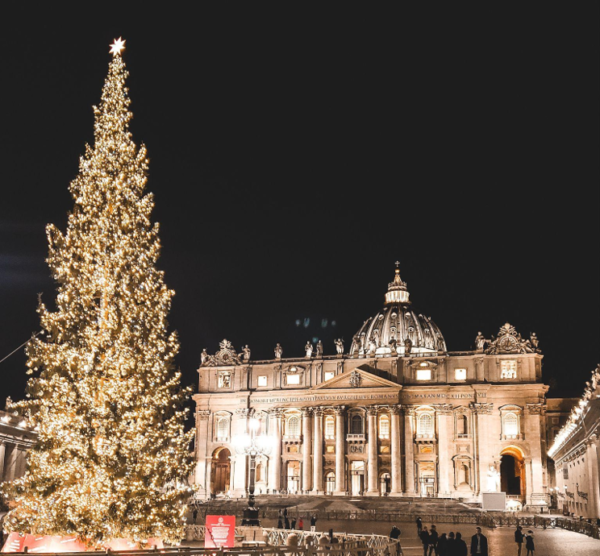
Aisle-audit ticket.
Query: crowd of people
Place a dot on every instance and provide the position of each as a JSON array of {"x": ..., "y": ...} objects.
[
  {"x": 286, "y": 522},
  {"x": 452, "y": 544}
]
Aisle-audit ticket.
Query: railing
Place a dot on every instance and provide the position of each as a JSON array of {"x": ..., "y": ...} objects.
[
  {"x": 318, "y": 543},
  {"x": 355, "y": 437}
]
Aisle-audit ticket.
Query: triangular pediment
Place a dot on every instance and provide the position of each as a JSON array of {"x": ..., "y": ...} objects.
[{"x": 355, "y": 379}]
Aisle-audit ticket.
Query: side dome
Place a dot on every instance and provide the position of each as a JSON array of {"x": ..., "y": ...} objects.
[{"x": 397, "y": 329}]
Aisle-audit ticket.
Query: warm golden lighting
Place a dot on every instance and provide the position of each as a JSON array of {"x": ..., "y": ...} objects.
[
  {"x": 112, "y": 456},
  {"x": 117, "y": 47}
]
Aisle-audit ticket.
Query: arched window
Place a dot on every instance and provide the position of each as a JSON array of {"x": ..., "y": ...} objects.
[
  {"x": 425, "y": 424},
  {"x": 384, "y": 426},
  {"x": 462, "y": 428},
  {"x": 293, "y": 426},
  {"x": 511, "y": 425},
  {"x": 259, "y": 472},
  {"x": 330, "y": 481},
  {"x": 222, "y": 428},
  {"x": 356, "y": 424},
  {"x": 329, "y": 427}
]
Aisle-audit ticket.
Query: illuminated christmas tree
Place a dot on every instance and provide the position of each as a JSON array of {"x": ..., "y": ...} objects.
[{"x": 112, "y": 457}]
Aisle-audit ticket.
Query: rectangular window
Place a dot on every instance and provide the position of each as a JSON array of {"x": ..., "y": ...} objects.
[
  {"x": 224, "y": 379},
  {"x": 292, "y": 379},
  {"x": 460, "y": 374},
  {"x": 555, "y": 420},
  {"x": 423, "y": 374},
  {"x": 262, "y": 380},
  {"x": 329, "y": 375},
  {"x": 508, "y": 369}
]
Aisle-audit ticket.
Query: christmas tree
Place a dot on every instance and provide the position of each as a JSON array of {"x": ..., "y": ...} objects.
[{"x": 112, "y": 457}]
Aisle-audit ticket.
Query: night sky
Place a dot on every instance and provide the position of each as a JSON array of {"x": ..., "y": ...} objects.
[{"x": 296, "y": 154}]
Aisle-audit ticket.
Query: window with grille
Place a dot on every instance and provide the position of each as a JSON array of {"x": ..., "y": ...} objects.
[
  {"x": 425, "y": 424},
  {"x": 329, "y": 427},
  {"x": 384, "y": 427},
  {"x": 293, "y": 426},
  {"x": 511, "y": 425},
  {"x": 222, "y": 428}
]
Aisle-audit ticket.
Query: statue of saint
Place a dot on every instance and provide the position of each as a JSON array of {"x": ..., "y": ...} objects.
[
  {"x": 339, "y": 346},
  {"x": 203, "y": 356},
  {"x": 493, "y": 480},
  {"x": 319, "y": 349},
  {"x": 278, "y": 351},
  {"x": 393, "y": 345},
  {"x": 355, "y": 347},
  {"x": 407, "y": 346},
  {"x": 246, "y": 351},
  {"x": 308, "y": 348},
  {"x": 535, "y": 342},
  {"x": 8, "y": 403},
  {"x": 372, "y": 346},
  {"x": 479, "y": 342}
]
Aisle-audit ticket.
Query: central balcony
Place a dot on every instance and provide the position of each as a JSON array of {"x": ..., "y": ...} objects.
[{"x": 356, "y": 438}]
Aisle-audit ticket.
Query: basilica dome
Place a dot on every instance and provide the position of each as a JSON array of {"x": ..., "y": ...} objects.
[{"x": 397, "y": 329}]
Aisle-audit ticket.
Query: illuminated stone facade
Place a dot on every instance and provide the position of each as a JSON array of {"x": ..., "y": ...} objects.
[
  {"x": 16, "y": 437},
  {"x": 576, "y": 455},
  {"x": 399, "y": 415}
]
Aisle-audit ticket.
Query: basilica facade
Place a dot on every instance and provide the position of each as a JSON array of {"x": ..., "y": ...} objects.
[{"x": 396, "y": 415}]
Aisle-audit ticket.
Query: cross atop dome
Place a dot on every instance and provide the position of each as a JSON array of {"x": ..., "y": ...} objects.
[{"x": 397, "y": 292}]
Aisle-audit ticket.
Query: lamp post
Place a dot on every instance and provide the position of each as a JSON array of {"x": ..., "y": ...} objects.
[{"x": 252, "y": 444}]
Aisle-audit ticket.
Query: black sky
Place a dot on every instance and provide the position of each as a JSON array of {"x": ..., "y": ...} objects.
[{"x": 297, "y": 153}]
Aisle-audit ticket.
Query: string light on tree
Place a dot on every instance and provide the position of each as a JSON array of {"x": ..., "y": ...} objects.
[{"x": 113, "y": 456}]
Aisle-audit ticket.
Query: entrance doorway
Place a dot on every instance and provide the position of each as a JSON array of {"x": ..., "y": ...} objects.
[
  {"x": 427, "y": 478},
  {"x": 221, "y": 471},
  {"x": 357, "y": 473},
  {"x": 385, "y": 482},
  {"x": 293, "y": 477},
  {"x": 512, "y": 472}
]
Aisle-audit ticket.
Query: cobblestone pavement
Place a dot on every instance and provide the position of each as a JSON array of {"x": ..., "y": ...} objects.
[{"x": 549, "y": 542}]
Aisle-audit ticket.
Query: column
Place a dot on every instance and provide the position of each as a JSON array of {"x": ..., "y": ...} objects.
[
  {"x": 306, "y": 449},
  {"x": 373, "y": 477},
  {"x": 444, "y": 431},
  {"x": 591, "y": 459},
  {"x": 239, "y": 472},
  {"x": 318, "y": 451},
  {"x": 409, "y": 445},
  {"x": 275, "y": 457},
  {"x": 201, "y": 478},
  {"x": 340, "y": 451},
  {"x": 2, "y": 454},
  {"x": 528, "y": 480},
  {"x": 395, "y": 448},
  {"x": 11, "y": 462}
]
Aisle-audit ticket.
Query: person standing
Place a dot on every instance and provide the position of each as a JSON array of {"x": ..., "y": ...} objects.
[
  {"x": 394, "y": 533},
  {"x": 287, "y": 522},
  {"x": 313, "y": 520},
  {"x": 479, "y": 544},
  {"x": 424, "y": 536},
  {"x": 460, "y": 546},
  {"x": 419, "y": 525},
  {"x": 451, "y": 544},
  {"x": 293, "y": 523},
  {"x": 301, "y": 524},
  {"x": 442, "y": 545},
  {"x": 519, "y": 539},
  {"x": 529, "y": 545},
  {"x": 433, "y": 540}
]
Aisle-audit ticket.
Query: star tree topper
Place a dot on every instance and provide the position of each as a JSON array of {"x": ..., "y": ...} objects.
[{"x": 117, "y": 47}]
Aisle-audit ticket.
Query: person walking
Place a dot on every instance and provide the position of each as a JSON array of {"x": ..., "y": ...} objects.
[
  {"x": 519, "y": 537},
  {"x": 529, "y": 544},
  {"x": 424, "y": 536},
  {"x": 460, "y": 546},
  {"x": 479, "y": 544},
  {"x": 433, "y": 540},
  {"x": 419, "y": 525}
]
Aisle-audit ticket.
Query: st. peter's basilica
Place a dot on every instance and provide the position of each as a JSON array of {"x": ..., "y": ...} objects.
[{"x": 399, "y": 415}]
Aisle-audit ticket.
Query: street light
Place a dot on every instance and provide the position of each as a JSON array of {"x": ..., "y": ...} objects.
[{"x": 252, "y": 444}]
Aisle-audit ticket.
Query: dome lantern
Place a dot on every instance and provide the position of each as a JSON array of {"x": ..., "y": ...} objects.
[{"x": 397, "y": 292}]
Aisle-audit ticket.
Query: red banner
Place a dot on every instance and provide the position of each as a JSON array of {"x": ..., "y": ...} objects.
[{"x": 220, "y": 531}]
